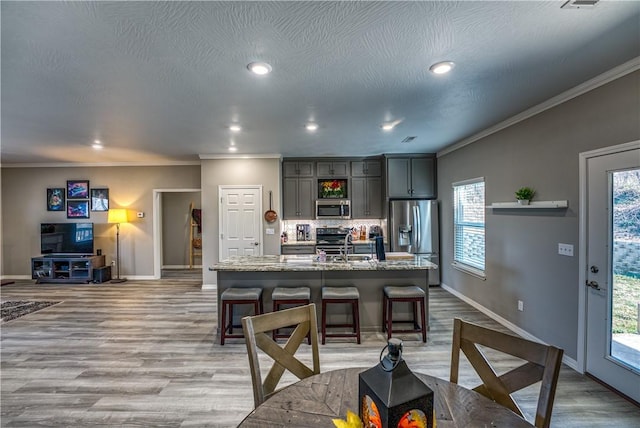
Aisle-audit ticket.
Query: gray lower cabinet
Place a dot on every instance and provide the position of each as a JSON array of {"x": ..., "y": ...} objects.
[
  {"x": 411, "y": 177},
  {"x": 298, "y": 198},
  {"x": 298, "y": 249},
  {"x": 366, "y": 197},
  {"x": 365, "y": 248}
]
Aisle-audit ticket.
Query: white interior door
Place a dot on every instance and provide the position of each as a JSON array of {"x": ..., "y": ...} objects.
[
  {"x": 612, "y": 281},
  {"x": 240, "y": 221}
]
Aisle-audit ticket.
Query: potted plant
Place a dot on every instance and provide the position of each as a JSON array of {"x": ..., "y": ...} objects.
[{"x": 524, "y": 195}]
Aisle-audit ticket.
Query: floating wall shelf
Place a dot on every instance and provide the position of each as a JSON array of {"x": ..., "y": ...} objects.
[{"x": 532, "y": 205}]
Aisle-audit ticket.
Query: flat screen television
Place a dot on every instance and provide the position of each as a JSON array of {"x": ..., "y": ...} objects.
[{"x": 66, "y": 238}]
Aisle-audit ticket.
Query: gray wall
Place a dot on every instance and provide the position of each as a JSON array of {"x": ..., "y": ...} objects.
[
  {"x": 217, "y": 172},
  {"x": 522, "y": 261},
  {"x": 129, "y": 187},
  {"x": 176, "y": 225}
]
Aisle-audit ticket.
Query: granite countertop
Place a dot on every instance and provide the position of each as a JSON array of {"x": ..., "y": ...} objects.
[{"x": 308, "y": 263}]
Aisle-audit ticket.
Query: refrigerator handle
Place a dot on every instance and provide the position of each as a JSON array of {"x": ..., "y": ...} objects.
[{"x": 416, "y": 224}]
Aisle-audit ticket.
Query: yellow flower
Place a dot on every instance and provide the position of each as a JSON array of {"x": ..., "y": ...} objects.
[{"x": 353, "y": 421}]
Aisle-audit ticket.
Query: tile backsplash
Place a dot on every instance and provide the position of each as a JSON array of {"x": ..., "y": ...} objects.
[{"x": 289, "y": 226}]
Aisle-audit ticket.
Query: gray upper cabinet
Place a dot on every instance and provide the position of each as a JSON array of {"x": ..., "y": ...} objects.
[
  {"x": 366, "y": 197},
  {"x": 298, "y": 189},
  {"x": 369, "y": 168},
  {"x": 331, "y": 169},
  {"x": 297, "y": 169},
  {"x": 411, "y": 177},
  {"x": 298, "y": 198}
]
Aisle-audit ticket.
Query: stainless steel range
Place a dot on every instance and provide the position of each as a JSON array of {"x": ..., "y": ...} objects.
[{"x": 331, "y": 240}]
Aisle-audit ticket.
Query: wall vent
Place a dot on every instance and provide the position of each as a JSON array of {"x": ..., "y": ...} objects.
[
  {"x": 579, "y": 4},
  {"x": 408, "y": 139}
]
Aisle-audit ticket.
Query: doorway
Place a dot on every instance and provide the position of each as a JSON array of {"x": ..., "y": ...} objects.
[
  {"x": 171, "y": 233},
  {"x": 610, "y": 266}
]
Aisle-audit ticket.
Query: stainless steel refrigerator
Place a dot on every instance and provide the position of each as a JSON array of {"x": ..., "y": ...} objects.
[{"x": 413, "y": 228}]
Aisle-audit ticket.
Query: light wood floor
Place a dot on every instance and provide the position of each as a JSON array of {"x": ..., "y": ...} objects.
[{"x": 146, "y": 354}]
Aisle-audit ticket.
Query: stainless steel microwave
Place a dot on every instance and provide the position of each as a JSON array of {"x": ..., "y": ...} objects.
[{"x": 336, "y": 208}]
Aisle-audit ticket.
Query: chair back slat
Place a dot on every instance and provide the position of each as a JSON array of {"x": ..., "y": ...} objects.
[
  {"x": 542, "y": 364},
  {"x": 303, "y": 320}
]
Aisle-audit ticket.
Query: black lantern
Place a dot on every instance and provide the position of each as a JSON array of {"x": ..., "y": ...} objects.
[{"x": 391, "y": 396}]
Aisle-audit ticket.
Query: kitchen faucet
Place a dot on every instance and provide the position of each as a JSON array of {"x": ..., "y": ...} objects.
[{"x": 347, "y": 240}]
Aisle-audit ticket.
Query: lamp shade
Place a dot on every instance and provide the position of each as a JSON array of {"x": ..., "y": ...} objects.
[{"x": 117, "y": 215}]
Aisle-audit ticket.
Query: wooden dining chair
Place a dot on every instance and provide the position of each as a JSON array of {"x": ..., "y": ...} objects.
[
  {"x": 543, "y": 364},
  {"x": 257, "y": 333}
]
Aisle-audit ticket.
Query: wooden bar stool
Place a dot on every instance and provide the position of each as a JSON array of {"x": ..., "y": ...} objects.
[
  {"x": 331, "y": 295},
  {"x": 237, "y": 296},
  {"x": 296, "y": 296},
  {"x": 412, "y": 294}
]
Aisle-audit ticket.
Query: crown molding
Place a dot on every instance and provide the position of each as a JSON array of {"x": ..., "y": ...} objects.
[
  {"x": 591, "y": 84},
  {"x": 238, "y": 156},
  {"x": 100, "y": 164}
]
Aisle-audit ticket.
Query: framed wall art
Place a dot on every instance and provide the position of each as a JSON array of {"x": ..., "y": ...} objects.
[
  {"x": 99, "y": 199},
  {"x": 55, "y": 199},
  {"x": 77, "y": 209},
  {"x": 77, "y": 189}
]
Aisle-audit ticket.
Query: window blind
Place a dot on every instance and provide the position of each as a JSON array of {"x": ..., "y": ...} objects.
[{"x": 469, "y": 236}]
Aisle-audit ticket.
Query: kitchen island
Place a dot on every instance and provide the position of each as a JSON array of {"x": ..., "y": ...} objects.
[{"x": 369, "y": 276}]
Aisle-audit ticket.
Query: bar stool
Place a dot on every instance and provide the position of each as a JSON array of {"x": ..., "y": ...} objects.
[
  {"x": 412, "y": 294},
  {"x": 331, "y": 295},
  {"x": 297, "y": 296},
  {"x": 237, "y": 296}
]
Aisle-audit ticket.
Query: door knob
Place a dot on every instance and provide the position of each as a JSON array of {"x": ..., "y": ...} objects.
[
  {"x": 594, "y": 285},
  {"x": 256, "y": 243}
]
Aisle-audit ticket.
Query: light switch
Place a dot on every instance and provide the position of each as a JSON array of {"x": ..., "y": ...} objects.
[
  {"x": 271, "y": 231},
  {"x": 565, "y": 249}
]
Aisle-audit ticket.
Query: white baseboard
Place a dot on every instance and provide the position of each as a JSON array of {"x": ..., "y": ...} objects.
[
  {"x": 209, "y": 286},
  {"x": 16, "y": 277},
  {"x": 508, "y": 324}
]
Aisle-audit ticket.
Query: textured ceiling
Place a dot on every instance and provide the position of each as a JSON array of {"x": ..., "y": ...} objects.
[{"x": 161, "y": 81}]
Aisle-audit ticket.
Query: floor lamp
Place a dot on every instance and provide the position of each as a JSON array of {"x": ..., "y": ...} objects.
[{"x": 117, "y": 216}]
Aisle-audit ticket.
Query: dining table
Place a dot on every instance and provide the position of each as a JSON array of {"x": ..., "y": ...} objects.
[{"x": 317, "y": 400}]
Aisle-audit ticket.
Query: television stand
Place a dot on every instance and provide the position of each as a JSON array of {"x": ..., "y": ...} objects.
[{"x": 65, "y": 268}]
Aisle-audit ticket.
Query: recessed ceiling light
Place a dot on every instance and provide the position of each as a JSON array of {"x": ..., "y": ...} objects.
[
  {"x": 311, "y": 126},
  {"x": 388, "y": 126},
  {"x": 235, "y": 128},
  {"x": 259, "y": 68},
  {"x": 97, "y": 146},
  {"x": 98, "y": 142},
  {"x": 441, "y": 67},
  {"x": 233, "y": 149}
]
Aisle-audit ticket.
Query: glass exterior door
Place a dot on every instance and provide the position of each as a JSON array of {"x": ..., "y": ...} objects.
[{"x": 613, "y": 270}]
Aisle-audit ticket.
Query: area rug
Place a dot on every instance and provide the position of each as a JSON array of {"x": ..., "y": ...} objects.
[{"x": 17, "y": 309}]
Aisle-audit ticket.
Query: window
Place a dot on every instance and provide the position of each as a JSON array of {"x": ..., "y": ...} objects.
[{"x": 468, "y": 223}]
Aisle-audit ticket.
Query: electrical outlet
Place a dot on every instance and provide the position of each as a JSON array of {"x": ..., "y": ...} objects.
[
  {"x": 140, "y": 214},
  {"x": 520, "y": 305},
  {"x": 565, "y": 249},
  {"x": 113, "y": 262}
]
